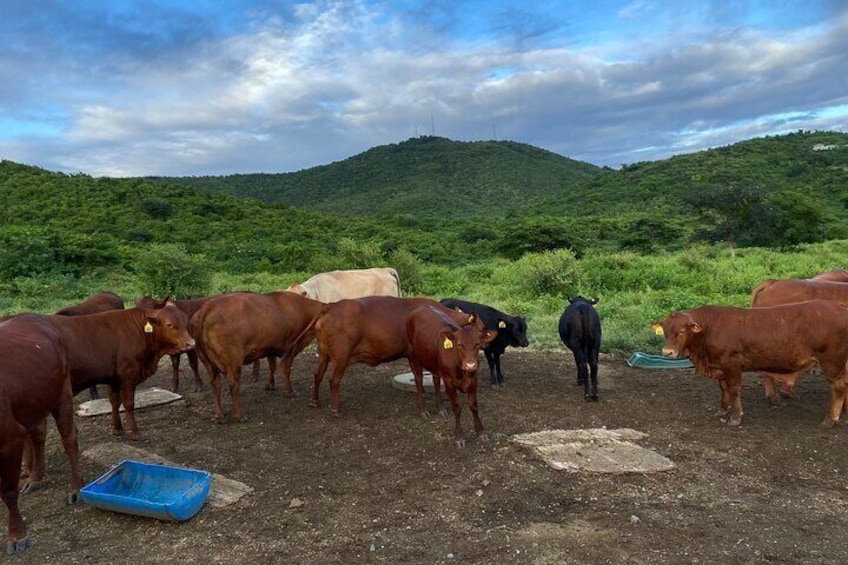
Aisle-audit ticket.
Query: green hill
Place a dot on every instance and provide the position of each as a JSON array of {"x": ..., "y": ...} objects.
[{"x": 423, "y": 176}]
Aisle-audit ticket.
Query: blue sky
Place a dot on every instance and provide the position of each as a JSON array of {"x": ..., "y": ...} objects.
[{"x": 168, "y": 87}]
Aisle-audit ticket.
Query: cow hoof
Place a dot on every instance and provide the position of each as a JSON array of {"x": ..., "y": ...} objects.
[
  {"x": 444, "y": 412},
  {"x": 240, "y": 420},
  {"x": 460, "y": 443},
  {"x": 827, "y": 423},
  {"x": 334, "y": 413},
  {"x": 313, "y": 404},
  {"x": 594, "y": 398},
  {"x": 270, "y": 387},
  {"x": 734, "y": 421},
  {"x": 292, "y": 394},
  {"x": 483, "y": 437},
  {"x": 73, "y": 498},
  {"x": 217, "y": 420},
  {"x": 31, "y": 486},
  {"x": 19, "y": 546}
]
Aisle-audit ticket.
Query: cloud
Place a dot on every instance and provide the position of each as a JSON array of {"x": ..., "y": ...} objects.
[{"x": 157, "y": 91}]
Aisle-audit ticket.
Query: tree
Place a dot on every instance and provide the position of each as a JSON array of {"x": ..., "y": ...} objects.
[{"x": 737, "y": 214}]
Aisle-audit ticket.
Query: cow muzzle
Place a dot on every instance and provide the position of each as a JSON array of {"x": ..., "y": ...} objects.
[
  {"x": 670, "y": 352},
  {"x": 469, "y": 366}
]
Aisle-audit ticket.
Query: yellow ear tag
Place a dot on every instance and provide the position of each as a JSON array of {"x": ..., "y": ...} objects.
[
  {"x": 148, "y": 328},
  {"x": 658, "y": 330},
  {"x": 501, "y": 324},
  {"x": 448, "y": 344}
]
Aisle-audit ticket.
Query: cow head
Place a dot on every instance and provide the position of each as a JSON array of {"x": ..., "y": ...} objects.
[
  {"x": 297, "y": 289},
  {"x": 150, "y": 303},
  {"x": 679, "y": 330},
  {"x": 514, "y": 330},
  {"x": 461, "y": 348},
  {"x": 590, "y": 301},
  {"x": 169, "y": 327}
]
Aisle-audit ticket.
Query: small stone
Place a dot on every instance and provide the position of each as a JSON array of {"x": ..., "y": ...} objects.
[
  {"x": 634, "y": 519},
  {"x": 479, "y": 492},
  {"x": 296, "y": 503}
]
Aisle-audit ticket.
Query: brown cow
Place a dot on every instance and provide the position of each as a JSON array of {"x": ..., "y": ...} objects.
[
  {"x": 242, "y": 327},
  {"x": 369, "y": 330},
  {"x": 774, "y": 292},
  {"x": 121, "y": 348},
  {"x": 835, "y": 275},
  {"x": 449, "y": 351},
  {"x": 34, "y": 382},
  {"x": 100, "y": 302},
  {"x": 723, "y": 341},
  {"x": 190, "y": 306}
]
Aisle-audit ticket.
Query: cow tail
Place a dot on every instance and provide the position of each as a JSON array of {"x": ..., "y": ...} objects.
[
  {"x": 759, "y": 288},
  {"x": 307, "y": 332},
  {"x": 397, "y": 281}
]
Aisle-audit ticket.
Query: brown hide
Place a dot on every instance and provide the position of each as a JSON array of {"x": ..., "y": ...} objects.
[
  {"x": 369, "y": 330},
  {"x": 100, "y": 302},
  {"x": 835, "y": 275},
  {"x": 785, "y": 291},
  {"x": 34, "y": 382},
  {"x": 450, "y": 352},
  {"x": 121, "y": 348},
  {"x": 722, "y": 342},
  {"x": 239, "y": 328}
]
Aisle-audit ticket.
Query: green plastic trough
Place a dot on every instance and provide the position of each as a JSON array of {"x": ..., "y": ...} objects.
[{"x": 649, "y": 361}]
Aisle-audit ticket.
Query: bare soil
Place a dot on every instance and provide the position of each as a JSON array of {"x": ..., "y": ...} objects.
[{"x": 379, "y": 484}]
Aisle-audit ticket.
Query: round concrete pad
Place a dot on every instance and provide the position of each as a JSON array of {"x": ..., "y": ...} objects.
[{"x": 406, "y": 381}]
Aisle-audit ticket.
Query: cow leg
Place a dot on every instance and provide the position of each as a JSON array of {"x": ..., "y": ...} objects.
[
  {"x": 441, "y": 408},
  {"x": 128, "y": 400},
  {"x": 285, "y": 370},
  {"x": 272, "y": 368},
  {"x": 770, "y": 389},
  {"x": 335, "y": 385},
  {"x": 33, "y": 455},
  {"x": 471, "y": 399},
  {"x": 115, "y": 400},
  {"x": 734, "y": 393},
  {"x": 458, "y": 433},
  {"x": 257, "y": 366},
  {"x": 93, "y": 393},
  {"x": 493, "y": 374},
  {"x": 498, "y": 371},
  {"x": 215, "y": 383},
  {"x": 63, "y": 414},
  {"x": 418, "y": 374},
  {"x": 234, "y": 379},
  {"x": 323, "y": 361},
  {"x": 837, "y": 397},
  {"x": 175, "y": 372},
  {"x": 192, "y": 361},
  {"x": 10, "y": 469},
  {"x": 593, "y": 373}
]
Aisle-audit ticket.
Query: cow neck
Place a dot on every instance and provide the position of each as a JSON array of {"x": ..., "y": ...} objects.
[{"x": 149, "y": 356}]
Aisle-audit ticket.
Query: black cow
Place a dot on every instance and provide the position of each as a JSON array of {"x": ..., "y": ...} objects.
[
  {"x": 580, "y": 331},
  {"x": 512, "y": 330}
]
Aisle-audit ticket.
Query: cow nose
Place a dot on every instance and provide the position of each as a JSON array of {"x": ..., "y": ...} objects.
[
  {"x": 190, "y": 344},
  {"x": 668, "y": 352},
  {"x": 469, "y": 366}
]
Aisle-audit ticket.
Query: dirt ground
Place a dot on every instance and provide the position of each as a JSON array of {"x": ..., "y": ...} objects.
[{"x": 379, "y": 484}]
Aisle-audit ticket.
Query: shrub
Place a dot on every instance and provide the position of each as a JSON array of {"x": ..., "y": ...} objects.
[
  {"x": 549, "y": 272},
  {"x": 168, "y": 269}
]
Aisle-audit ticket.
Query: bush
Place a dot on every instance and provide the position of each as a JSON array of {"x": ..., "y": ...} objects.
[
  {"x": 168, "y": 269},
  {"x": 550, "y": 272},
  {"x": 408, "y": 267}
]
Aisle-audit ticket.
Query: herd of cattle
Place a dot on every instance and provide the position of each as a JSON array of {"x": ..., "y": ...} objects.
[
  {"x": 791, "y": 326},
  {"x": 359, "y": 317},
  {"x": 355, "y": 317}
]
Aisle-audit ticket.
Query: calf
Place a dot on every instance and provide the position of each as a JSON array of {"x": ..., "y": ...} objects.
[
  {"x": 580, "y": 331},
  {"x": 512, "y": 330},
  {"x": 34, "y": 382},
  {"x": 100, "y": 302},
  {"x": 243, "y": 327},
  {"x": 722, "y": 342},
  {"x": 121, "y": 348},
  {"x": 369, "y": 330},
  {"x": 449, "y": 351}
]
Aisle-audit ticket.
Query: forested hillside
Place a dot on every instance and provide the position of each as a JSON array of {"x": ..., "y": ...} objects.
[{"x": 429, "y": 177}]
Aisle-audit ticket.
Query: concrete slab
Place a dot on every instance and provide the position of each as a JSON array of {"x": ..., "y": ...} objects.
[
  {"x": 224, "y": 491},
  {"x": 144, "y": 398},
  {"x": 594, "y": 451},
  {"x": 406, "y": 381}
]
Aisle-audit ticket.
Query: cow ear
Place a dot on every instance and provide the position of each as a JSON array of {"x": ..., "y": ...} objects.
[
  {"x": 150, "y": 323},
  {"x": 488, "y": 336},
  {"x": 446, "y": 340},
  {"x": 696, "y": 327}
]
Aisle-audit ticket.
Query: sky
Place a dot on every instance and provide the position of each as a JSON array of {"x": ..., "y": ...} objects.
[{"x": 214, "y": 87}]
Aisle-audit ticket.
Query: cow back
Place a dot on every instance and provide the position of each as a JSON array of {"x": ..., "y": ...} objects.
[
  {"x": 775, "y": 292},
  {"x": 333, "y": 286},
  {"x": 100, "y": 302},
  {"x": 580, "y": 326}
]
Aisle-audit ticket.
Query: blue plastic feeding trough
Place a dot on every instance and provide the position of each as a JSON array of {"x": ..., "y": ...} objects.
[
  {"x": 649, "y": 361},
  {"x": 144, "y": 489}
]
